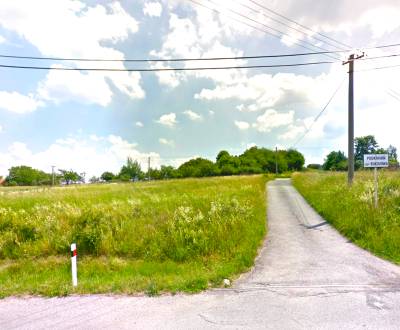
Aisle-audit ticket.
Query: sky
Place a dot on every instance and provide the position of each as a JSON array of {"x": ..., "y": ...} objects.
[{"x": 91, "y": 121}]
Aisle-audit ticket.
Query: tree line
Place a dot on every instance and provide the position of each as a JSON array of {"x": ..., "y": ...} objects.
[
  {"x": 253, "y": 161},
  {"x": 337, "y": 161}
]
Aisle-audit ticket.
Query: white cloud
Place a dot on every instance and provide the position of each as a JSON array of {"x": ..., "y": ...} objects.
[
  {"x": 105, "y": 153},
  {"x": 166, "y": 142},
  {"x": 75, "y": 30},
  {"x": 292, "y": 132},
  {"x": 211, "y": 112},
  {"x": 139, "y": 124},
  {"x": 62, "y": 86},
  {"x": 1, "y": 128},
  {"x": 193, "y": 115},
  {"x": 195, "y": 38},
  {"x": 2, "y": 39},
  {"x": 272, "y": 119},
  {"x": 72, "y": 30},
  {"x": 18, "y": 103},
  {"x": 152, "y": 9},
  {"x": 168, "y": 119},
  {"x": 242, "y": 125}
]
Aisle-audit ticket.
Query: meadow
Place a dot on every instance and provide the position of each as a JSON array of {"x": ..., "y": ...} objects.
[
  {"x": 152, "y": 237},
  {"x": 351, "y": 209}
]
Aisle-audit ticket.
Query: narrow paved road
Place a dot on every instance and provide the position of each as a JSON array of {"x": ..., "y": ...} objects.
[{"x": 306, "y": 276}]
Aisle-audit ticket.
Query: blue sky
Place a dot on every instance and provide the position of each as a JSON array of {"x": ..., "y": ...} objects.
[{"x": 91, "y": 121}]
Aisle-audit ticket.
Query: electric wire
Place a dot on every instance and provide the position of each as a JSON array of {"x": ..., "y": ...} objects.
[
  {"x": 298, "y": 24},
  {"x": 194, "y": 68},
  {"x": 319, "y": 114},
  {"x": 149, "y": 60},
  {"x": 291, "y": 27},
  {"x": 252, "y": 26},
  {"x": 394, "y": 92},
  {"x": 271, "y": 28},
  {"x": 165, "y": 69},
  {"x": 379, "y": 68},
  {"x": 395, "y": 96},
  {"x": 168, "y": 59},
  {"x": 384, "y": 46}
]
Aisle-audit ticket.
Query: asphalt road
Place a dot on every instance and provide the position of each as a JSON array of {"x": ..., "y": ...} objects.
[{"x": 306, "y": 276}]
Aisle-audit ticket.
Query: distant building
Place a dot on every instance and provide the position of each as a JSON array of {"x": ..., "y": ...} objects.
[{"x": 2, "y": 180}]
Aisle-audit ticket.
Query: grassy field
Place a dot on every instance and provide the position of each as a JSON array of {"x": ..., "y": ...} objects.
[
  {"x": 352, "y": 211},
  {"x": 153, "y": 237}
]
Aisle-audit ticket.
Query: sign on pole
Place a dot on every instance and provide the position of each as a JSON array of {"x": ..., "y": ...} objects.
[{"x": 376, "y": 160}]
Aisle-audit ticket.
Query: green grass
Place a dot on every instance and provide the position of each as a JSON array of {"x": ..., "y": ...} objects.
[
  {"x": 151, "y": 237},
  {"x": 352, "y": 211}
]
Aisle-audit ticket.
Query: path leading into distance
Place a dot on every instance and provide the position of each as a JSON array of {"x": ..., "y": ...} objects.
[{"x": 306, "y": 276}]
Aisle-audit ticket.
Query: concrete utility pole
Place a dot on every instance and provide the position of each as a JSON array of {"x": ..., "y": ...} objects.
[
  {"x": 350, "y": 153},
  {"x": 52, "y": 175}
]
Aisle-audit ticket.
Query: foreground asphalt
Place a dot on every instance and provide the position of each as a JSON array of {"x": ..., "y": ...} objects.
[{"x": 306, "y": 276}]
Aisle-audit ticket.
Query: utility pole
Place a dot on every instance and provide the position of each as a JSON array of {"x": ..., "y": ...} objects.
[
  {"x": 276, "y": 160},
  {"x": 148, "y": 168},
  {"x": 350, "y": 151},
  {"x": 52, "y": 175},
  {"x": 84, "y": 177}
]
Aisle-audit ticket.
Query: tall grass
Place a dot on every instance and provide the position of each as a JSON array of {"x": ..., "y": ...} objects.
[
  {"x": 351, "y": 209},
  {"x": 202, "y": 223}
]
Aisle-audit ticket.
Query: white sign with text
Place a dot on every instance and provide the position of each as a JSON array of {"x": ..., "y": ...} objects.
[{"x": 376, "y": 160}]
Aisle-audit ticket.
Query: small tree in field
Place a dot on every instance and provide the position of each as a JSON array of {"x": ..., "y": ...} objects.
[
  {"x": 131, "y": 170},
  {"x": 335, "y": 161},
  {"x": 70, "y": 176},
  {"x": 107, "y": 176}
]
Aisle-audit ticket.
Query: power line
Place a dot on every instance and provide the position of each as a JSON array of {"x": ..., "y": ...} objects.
[
  {"x": 191, "y": 59},
  {"x": 271, "y": 28},
  {"x": 170, "y": 59},
  {"x": 384, "y": 46},
  {"x": 301, "y": 25},
  {"x": 319, "y": 114},
  {"x": 252, "y": 26},
  {"x": 392, "y": 94},
  {"x": 378, "y": 57},
  {"x": 149, "y": 60},
  {"x": 165, "y": 69},
  {"x": 379, "y": 68},
  {"x": 291, "y": 27}
]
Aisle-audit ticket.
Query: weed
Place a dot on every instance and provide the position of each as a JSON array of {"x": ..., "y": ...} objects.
[{"x": 351, "y": 209}]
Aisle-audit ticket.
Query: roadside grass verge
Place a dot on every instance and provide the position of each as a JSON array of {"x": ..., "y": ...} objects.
[
  {"x": 152, "y": 237},
  {"x": 352, "y": 211}
]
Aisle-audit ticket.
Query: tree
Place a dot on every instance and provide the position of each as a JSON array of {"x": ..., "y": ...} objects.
[
  {"x": 364, "y": 145},
  {"x": 295, "y": 160},
  {"x": 227, "y": 164},
  {"x": 392, "y": 152},
  {"x": 107, "y": 176},
  {"x": 198, "y": 167},
  {"x": 314, "y": 166},
  {"x": 130, "y": 171},
  {"x": 94, "y": 179},
  {"x": 335, "y": 161},
  {"x": 168, "y": 172},
  {"x": 27, "y": 176},
  {"x": 70, "y": 176},
  {"x": 154, "y": 174}
]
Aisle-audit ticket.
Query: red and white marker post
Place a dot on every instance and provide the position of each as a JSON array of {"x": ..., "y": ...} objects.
[{"x": 73, "y": 265}]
